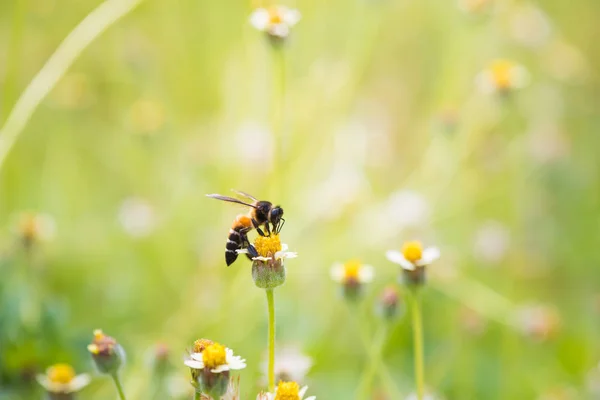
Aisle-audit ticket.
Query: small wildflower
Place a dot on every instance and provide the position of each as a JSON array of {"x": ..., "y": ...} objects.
[
  {"x": 502, "y": 76},
  {"x": 60, "y": 379},
  {"x": 413, "y": 259},
  {"x": 108, "y": 355},
  {"x": 276, "y": 21},
  {"x": 286, "y": 391},
  {"x": 210, "y": 364},
  {"x": 389, "y": 303},
  {"x": 32, "y": 227},
  {"x": 352, "y": 275},
  {"x": 290, "y": 364},
  {"x": 268, "y": 270}
]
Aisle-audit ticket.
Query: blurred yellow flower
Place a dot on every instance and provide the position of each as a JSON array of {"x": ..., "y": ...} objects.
[
  {"x": 352, "y": 272},
  {"x": 34, "y": 227},
  {"x": 276, "y": 21},
  {"x": 502, "y": 76},
  {"x": 61, "y": 379},
  {"x": 286, "y": 391}
]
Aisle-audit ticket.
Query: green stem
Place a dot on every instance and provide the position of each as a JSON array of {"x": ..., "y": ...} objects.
[
  {"x": 197, "y": 396},
  {"x": 374, "y": 362},
  {"x": 271, "y": 306},
  {"x": 417, "y": 324},
  {"x": 118, "y": 385}
]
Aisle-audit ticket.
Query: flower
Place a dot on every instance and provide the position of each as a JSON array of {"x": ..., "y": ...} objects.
[
  {"x": 61, "y": 379},
  {"x": 502, "y": 76},
  {"x": 290, "y": 364},
  {"x": 276, "y": 21},
  {"x": 210, "y": 364},
  {"x": 34, "y": 227},
  {"x": 389, "y": 300},
  {"x": 352, "y": 275},
  {"x": 107, "y": 354},
  {"x": 268, "y": 270},
  {"x": 286, "y": 391},
  {"x": 413, "y": 259}
]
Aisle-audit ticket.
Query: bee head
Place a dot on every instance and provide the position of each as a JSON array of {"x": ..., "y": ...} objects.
[{"x": 275, "y": 217}]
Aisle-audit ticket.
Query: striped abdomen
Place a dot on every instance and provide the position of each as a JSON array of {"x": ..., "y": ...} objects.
[{"x": 237, "y": 237}]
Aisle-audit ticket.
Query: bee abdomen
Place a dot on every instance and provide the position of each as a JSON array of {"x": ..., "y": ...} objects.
[{"x": 234, "y": 242}]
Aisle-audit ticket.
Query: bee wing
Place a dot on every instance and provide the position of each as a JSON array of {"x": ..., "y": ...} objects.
[
  {"x": 229, "y": 199},
  {"x": 244, "y": 194}
]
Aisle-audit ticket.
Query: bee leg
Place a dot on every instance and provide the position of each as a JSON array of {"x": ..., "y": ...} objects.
[
  {"x": 268, "y": 229},
  {"x": 252, "y": 252},
  {"x": 257, "y": 227}
]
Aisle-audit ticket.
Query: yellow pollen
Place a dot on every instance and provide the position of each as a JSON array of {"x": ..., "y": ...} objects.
[
  {"x": 98, "y": 334},
  {"x": 287, "y": 391},
  {"x": 267, "y": 246},
  {"x": 61, "y": 373},
  {"x": 412, "y": 251},
  {"x": 275, "y": 16},
  {"x": 201, "y": 344},
  {"x": 351, "y": 270},
  {"x": 214, "y": 355},
  {"x": 502, "y": 73}
]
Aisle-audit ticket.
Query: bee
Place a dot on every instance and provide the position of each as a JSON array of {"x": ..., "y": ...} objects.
[{"x": 262, "y": 214}]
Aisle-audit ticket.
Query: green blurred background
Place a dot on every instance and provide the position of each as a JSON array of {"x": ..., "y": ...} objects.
[{"x": 386, "y": 138}]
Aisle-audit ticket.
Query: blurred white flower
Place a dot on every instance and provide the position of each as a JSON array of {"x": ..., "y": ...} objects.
[
  {"x": 530, "y": 26},
  {"x": 538, "y": 321},
  {"x": 33, "y": 227},
  {"x": 502, "y": 76},
  {"x": 491, "y": 242},
  {"x": 137, "y": 217},
  {"x": 352, "y": 272},
  {"x": 413, "y": 255},
  {"x": 61, "y": 379},
  {"x": 275, "y": 20},
  {"x": 290, "y": 364},
  {"x": 217, "y": 358},
  {"x": 407, "y": 208}
]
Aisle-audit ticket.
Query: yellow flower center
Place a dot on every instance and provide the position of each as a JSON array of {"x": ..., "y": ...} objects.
[
  {"x": 351, "y": 270},
  {"x": 201, "y": 344},
  {"x": 275, "y": 16},
  {"x": 502, "y": 73},
  {"x": 61, "y": 373},
  {"x": 412, "y": 251},
  {"x": 288, "y": 391},
  {"x": 29, "y": 226},
  {"x": 214, "y": 355},
  {"x": 267, "y": 246}
]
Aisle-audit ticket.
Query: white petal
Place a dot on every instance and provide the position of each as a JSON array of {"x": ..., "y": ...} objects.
[
  {"x": 397, "y": 257},
  {"x": 196, "y": 356},
  {"x": 429, "y": 255},
  {"x": 43, "y": 380},
  {"x": 260, "y": 19},
  {"x": 291, "y": 16},
  {"x": 220, "y": 368},
  {"x": 302, "y": 391},
  {"x": 261, "y": 258},
  {"x": 284, "y": 247},
  {"x": 281, "y": 255},
  {"x": 366, "y": 273},
  {"x": 337, "y": 272},
  {"x": 279, "y": 30},
  {"x": 194, "y": 364},
  {"x": 79, "y": 382},
  {"x": 311, "y": 398},
  {"x": 242, "y": 251}
]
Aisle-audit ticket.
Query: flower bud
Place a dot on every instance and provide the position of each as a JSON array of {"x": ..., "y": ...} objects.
[
  {"x": 107, "y": 354},
  {"x": 389, "y": 303},
  {"x": 268, "y": 274}
]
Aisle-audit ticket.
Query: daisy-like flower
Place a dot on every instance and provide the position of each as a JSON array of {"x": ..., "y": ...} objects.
[
  {"x": 33, "y": 227},
  {"x": 502, "y": 76},
  {"x": 60, "y": 379},
  {"x": 276, "y": 21},
  {"x": 413, "y": 259},
  {"x": 268, "y": 270},
  {"x": 286, "y": 391},
  {"x": 108, "y": 355},
  {"x": 210, "y": 364},
  {"x": 352, "y": 275}
]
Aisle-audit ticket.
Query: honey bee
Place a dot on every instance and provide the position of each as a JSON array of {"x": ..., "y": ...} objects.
[{"x": 262, "y": 214}]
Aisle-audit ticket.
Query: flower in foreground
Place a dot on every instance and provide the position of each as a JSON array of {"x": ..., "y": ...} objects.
[
  {"x": 210, "y": 364},
  {"x": 268, "y": 270},
  {"x": 61, "y": 379},
  {"x": 502, "y": 76},
  {"x": 276, "y": 21},
  {"x": 286, "y": 391},
  {"x": 108, "y": 355},
  {"x": 413, "y": 259},
  {"x": 352, "y": 275}
]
